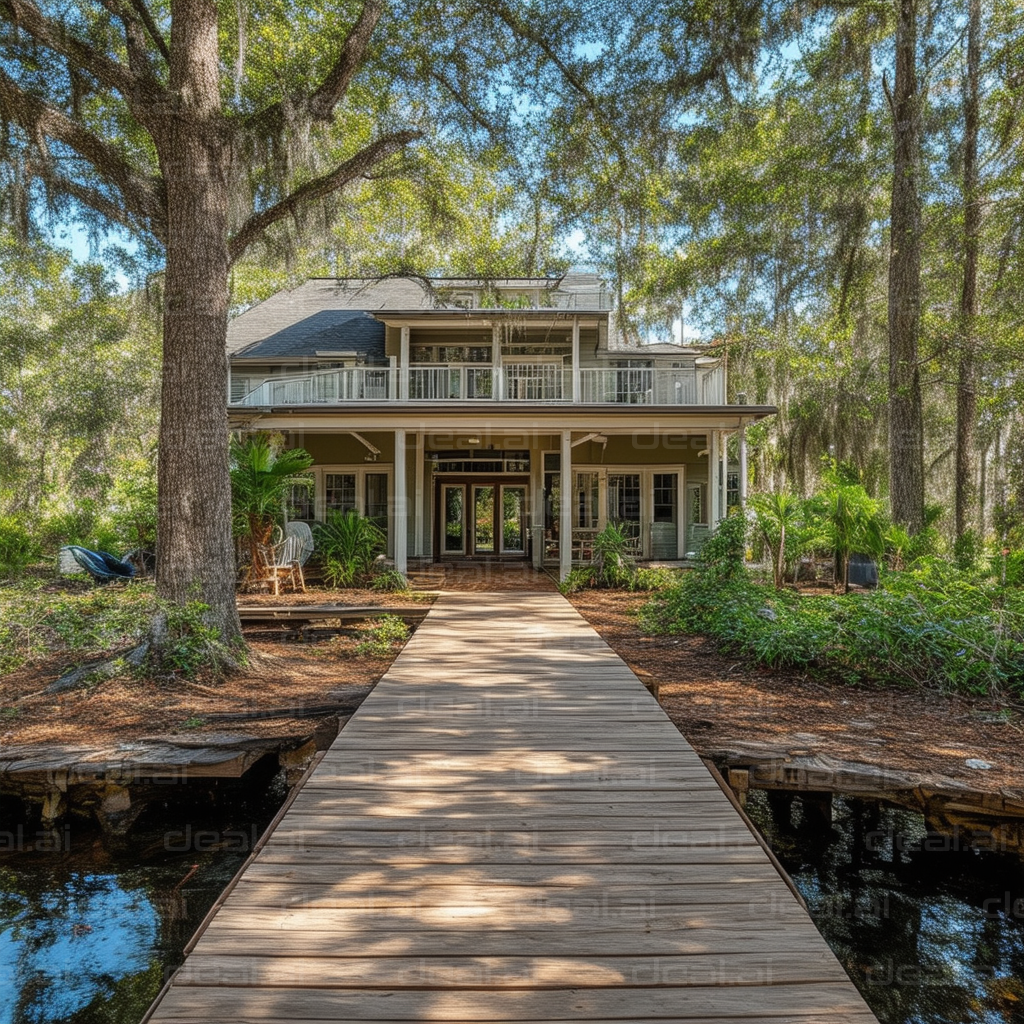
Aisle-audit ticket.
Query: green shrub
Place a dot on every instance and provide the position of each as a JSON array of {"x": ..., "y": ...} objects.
[
  {"x": 348, "y": 545},
  {"x": 17, "y": 548},
  {"x": 35, "y": 622},
  {"x": 189, "y": 644},
  {"x": 649, "y": 578},
  {"x": 381, "y": 636},
  {"x": 933, "y": 626},
  {"x": 388, "y": 579},
  {"x": 580, "y": 578}
]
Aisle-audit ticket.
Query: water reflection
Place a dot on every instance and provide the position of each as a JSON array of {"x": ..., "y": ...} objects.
[
  {"x": 88, "y": 933},
  {"x": 929, "y": 926}
]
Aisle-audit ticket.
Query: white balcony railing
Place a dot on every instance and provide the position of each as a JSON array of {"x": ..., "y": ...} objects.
[
  {"x": 634, "y": 386},
  {"x": 447, "y": 383},
  {"x": 513, "y": 382},
  {"x": 536, "y": 382},
  {"x": 327, "y": 387}
]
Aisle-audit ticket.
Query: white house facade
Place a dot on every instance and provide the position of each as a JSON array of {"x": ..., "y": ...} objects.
[{"x": 491, "y": 420}]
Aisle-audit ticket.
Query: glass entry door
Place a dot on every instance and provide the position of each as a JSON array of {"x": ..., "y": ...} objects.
[
  {"x": 483, "y": 519},
  {"x": 513, "y": 520},
  {"x": 453, "y": 507}
]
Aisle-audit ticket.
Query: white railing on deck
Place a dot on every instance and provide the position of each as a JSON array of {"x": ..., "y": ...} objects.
[
  {"x": 327, "y": 387},
  {"x": 536, "y": 382},
  {"x": 447, "y": 383},
  {"x": 513, "y": 382},
  {"x": 636, "y": 386}
]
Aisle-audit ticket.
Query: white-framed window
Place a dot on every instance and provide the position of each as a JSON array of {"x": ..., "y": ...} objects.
[{"x": 366, "y": 489}]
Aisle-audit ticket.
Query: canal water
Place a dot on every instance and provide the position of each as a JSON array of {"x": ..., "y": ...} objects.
[
  {"x": 930, "y": 927},
  {"x": 89, "y": 932}
]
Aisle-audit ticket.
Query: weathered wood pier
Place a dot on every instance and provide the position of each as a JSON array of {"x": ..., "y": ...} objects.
[{"x": 510, "y": 829}]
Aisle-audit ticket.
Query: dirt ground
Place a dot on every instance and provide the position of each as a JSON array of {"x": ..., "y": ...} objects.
[
  {"x": 322, "y": 671},
  {"x": 719, "y": 702}
]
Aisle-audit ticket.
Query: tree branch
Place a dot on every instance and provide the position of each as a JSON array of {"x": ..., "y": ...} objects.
[
  {"x": 141, "y": 195},
  {"x": 319, "y": 188},
  {"x": 320, "y": 104},
  {"x": 24, "y": 14},
  {"x": 152, "y": 29}
]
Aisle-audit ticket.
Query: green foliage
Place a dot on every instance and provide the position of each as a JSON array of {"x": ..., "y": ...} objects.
[
  {"x": 578, "y": 578},
  {"x": 388, "y": 579},
  {"x": 262, "y": 475},
  {"x": 17, "y": 548},
  {"x": 382, "y": 636},
  {"x": 348, "y": 545},
  {"x": 776, "y": 517},
  {"x": 724, "y": 553},
  {"x": 933, "y": 626},
  {"x": 35, "y": 622},
  {"x": 648, "y": 578},
  {"x": 186, "y": 643},
  {"x": 613, "y": 566}
]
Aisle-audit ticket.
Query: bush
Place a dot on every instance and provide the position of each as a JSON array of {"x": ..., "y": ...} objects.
[
  {"x": 578, "y": 579},
  {"x": 348, "y": 545},
  {"x": 933, "y": 626},
  {"x": 388, "y": 579},
  {"x": 188, "y": 643},
  {"x": 17, "y": 548}
]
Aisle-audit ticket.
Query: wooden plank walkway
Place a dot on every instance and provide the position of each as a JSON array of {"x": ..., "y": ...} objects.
[{"x": 510, "y": 829}]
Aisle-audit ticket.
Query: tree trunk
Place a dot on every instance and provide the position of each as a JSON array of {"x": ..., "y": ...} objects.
[
  {"x": 965, "y": 500},
  {"x": 906, "y": 438},
  {"x": 195, "y": 556}
]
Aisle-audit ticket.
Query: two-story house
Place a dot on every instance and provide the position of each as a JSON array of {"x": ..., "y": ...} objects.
[{"x": 490, "y": 420}]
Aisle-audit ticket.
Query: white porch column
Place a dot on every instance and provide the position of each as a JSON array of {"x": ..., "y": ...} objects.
[
  {"x": 743, "y": 466},
  {"x": 565, "y": 510},
  {"x": 713, "y": 470},
  {"x": 401, "y": 516},
  {"x": 537, "y": 504},
  {"x": 577, "y": 382},
  {"x": 419, "y": 509},
  {"x": 498, "y": 385},
  {"x": 723, "y": 480},
  {"x": 403, "y": 366}
]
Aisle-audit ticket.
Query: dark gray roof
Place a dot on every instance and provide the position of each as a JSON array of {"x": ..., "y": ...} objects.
[{"x": 330, "y": 330}]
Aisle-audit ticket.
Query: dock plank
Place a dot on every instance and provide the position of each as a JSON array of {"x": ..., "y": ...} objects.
[{"x": 510, "y": 829}]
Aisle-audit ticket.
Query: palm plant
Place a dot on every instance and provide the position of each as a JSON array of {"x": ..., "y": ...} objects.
[
  {"x": 851, "y": 521},
  {"x": 262, "y": 474},
  {"x": 349, "y": 544},
  {"x": 612, "y": 563},
  {"x": 776, "y": 515}
]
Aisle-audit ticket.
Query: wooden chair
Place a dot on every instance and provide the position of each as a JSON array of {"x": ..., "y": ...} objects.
[{"x": 284, "y": 562}]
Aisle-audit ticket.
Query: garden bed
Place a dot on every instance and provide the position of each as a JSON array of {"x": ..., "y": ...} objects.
[{"x": 724, "y": 705}]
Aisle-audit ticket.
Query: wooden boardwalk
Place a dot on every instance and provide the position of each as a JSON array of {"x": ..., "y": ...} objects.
[{"x": 510, "y": 829}]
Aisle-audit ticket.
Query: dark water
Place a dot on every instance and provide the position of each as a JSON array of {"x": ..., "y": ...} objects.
[
  {"x": 930, "y": 927},
  {"x": 88, "y": 934}
]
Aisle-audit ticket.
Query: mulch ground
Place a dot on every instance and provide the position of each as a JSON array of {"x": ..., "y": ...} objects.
[
  {"x": 717, "y": 701},
  {"x": 323, "y": 670}
]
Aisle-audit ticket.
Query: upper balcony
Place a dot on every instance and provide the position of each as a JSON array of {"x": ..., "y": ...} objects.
[{"x": 702, "y": 384}]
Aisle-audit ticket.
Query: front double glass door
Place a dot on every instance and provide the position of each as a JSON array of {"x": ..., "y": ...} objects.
[{"x": 483, "y": 519}]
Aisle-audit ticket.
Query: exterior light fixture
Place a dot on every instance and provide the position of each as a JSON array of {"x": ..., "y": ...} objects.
[{"x": 474, "y": 440}]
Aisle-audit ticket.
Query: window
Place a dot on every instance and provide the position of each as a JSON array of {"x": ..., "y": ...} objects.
[
  {"x": 732, "y": 488},
  {"x": 241, "y": 386},
  {"x": 624, "y": 498},
  {"x": 300, "y": 503},
  {"x": 665, "y": 497},
  {"x": 377, "y": 499},
  {"x": 585, "y": 501},
  {"x": 339, "y": 492}
]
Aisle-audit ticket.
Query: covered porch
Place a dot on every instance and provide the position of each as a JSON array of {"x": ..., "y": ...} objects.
[{"x": 470, "y": 489}]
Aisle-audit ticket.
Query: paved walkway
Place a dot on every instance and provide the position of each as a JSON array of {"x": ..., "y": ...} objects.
[{"x": 511, "y": 829}]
